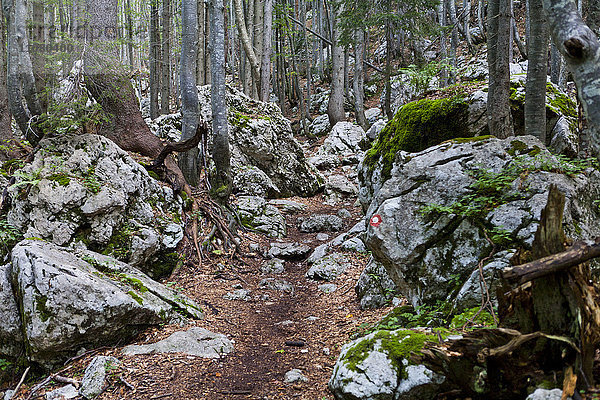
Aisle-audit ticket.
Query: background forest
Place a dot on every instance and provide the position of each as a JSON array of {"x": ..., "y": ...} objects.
[{"x": 315, "y": 199}]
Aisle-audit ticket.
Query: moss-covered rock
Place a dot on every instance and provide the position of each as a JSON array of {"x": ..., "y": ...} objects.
[
  {"x": 417, "y": 126},
  {"x": 378, "y": 366}
]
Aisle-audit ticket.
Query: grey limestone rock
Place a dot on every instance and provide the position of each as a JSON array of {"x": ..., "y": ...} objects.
[
  {"x": 344, "y": 139},
  {"x": 273, "y": 266},
  {"x": 325, "y": 162},
  {"x": 375, "y": 129},
  {"x": 94, "y": 377},
  {"x": 318, "y": 253},
  {"x": 238, "y": 294},
  {"x": 276, "y": 284},
  {"x": 321, "y": 223},
  {"x": 327, "y": 287},
  {"x": 90, "y": 191},
  {"x": 195, "y": 342},
  {"x": 255, "y": 213},
  {"x": 11, "y": 334},
  {"x": 260, "y": 136},
  {"x": 63, "y": 393},
  {"x": 379, "y": 376},
  {"x": 252, "y": 181},
  {"x": 73, "y": 299},
  {"x": 320, "y": 126},
  {"x": 328, "y": 268},
  {"x": 288, "y": 251},
  {"x": 374, "y": 288},
  {"x": 295, "y": 375},
  {"x": 546, "y": 394},
  {"x": 373, "y": 114},
  {"x": 288, "y": 206},
  {"x": 425, "y": 253}
]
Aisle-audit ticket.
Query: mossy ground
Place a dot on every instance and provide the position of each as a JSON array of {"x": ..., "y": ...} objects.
[{"x": 417, "y": 126}]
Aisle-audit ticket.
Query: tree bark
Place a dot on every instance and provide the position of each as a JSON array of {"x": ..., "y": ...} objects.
[
  {"x": 245, "y": 39},
  {"x": 221, "y": 181},
  {"x": 581, "y": 50},
  {"x": 188, "y": 161},
  {"x": 265, "y": 68},
  {"x": 20, "y": 79},
  {"x": 358, "y": 83},
  {"x": 535, "y": 86},
  {"x": 154, "y": 59},
  {"x": 335, "y": 107},
  {"x": 165, "y": 87},
  {"x": 499, "y": 114},
  {"x": 6, "y": 134}
]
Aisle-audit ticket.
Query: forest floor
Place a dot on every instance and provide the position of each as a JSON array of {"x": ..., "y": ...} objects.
[{"x": 259, "y": 328}]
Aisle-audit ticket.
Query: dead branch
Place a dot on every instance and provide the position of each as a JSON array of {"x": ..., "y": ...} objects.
[
  {"x": 579, "y": 253},
  {"x": 20, "y": 383},
  {"x": 179, "y": 147}
]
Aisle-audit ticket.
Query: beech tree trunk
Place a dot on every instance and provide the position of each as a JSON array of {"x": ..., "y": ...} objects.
[
  {"x": 20, "y": 79},
  {"x": 165, "y": 87},
  {"x": 221, "y": 181},
  {"x": 581, "y": 50},
  {"x": 335, "y": 107},
  {"x": 265, "y": 68},
  {"x": 154, "y": 59},
  {"x": 499, "y": 27},
  {"x": 358, "y": 82},
  {"x": 6, "y": 133},
  {"x": 535, "y": 86},
  {"x": 188, "y": 161},
  {"x": 246, "y": 42}
]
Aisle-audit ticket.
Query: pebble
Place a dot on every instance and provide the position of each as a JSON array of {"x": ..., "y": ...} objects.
[
  {"x": 328, "y": 287},
  {"x": 295, "y": 375},
  {"x": 322, "y": 237},
  {"x": 326, "y": 351}
]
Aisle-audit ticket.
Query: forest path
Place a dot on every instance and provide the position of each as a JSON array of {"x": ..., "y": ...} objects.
[{"x": 259, "y": 327}]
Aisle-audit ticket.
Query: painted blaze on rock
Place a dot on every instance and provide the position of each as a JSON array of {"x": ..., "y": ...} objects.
[{"x": 438, "y": 206}]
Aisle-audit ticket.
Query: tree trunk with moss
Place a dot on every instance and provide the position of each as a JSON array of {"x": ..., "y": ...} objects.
[{"x": 221, "y": 180}]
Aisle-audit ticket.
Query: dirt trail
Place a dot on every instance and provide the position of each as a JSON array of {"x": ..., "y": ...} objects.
[{"x": 259, "y": 327}]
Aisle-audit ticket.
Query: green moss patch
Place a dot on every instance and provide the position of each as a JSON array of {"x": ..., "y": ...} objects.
[
  {"x": 398, "y": 345},
  {"x": 417, "y": 126}
]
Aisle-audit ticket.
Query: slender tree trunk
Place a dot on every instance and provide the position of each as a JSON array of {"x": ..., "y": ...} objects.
[
  {"x": 453, "y": 38},
  {"x": 154, "y": 59},
  {"x": 499, "y": 115},
  {"x": 308, "y": 64},
  {"x": 6, "y": 133},
  {"x": 358, "y": 83},
  {"x": 535, "y": 86},
  {"x": 200, "y": 65},
  {"x": 520, "y": 45},
  {"x": 335, "y": 107},
  {"x": 441, "y": 11},
  {"x": 221, "y": 181},
  {"x": 265, "y": 69},
  {"x": 387, "y": 103},
  {"x": 129, "y": 33},
  {"x": 165, "y": 87},
  {"x": 481, "y": 17},
  {"x": 188, "y": 161},
  {"x": 246, "y": 42},
  {"x": 258, "y": 40}
]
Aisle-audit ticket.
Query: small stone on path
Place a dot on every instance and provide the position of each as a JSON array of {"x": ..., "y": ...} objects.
[
  {"x": 328, "y": 287},
  {"x": 273, "y": 266},
  {"x": 276, "y": 284},
  {"x": 239, "y": 294},
  {"x": 295, "y": 375},
  {"x": 288, "y": 251},
  {"x": 94, "y": 377},
  {"x": 64, "y": 393},
  {"x": 195, "y": 341}
]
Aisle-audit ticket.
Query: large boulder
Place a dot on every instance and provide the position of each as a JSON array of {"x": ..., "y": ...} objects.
[
  {"x": 260, "y": 136},
  {"x": 430, "y": 216},
  {"x": 377, "y": 367},
  {"x": 83, "y": 188},
  {"x": 72, "y": 299}
]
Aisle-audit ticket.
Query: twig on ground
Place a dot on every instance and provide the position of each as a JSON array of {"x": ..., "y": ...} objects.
[{"x": 20, "y": 382}]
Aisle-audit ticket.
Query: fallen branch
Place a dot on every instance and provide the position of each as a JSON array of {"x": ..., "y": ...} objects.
[
  {"x": 579, "y": 253},
  {"x": 20, "y": 383}
]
